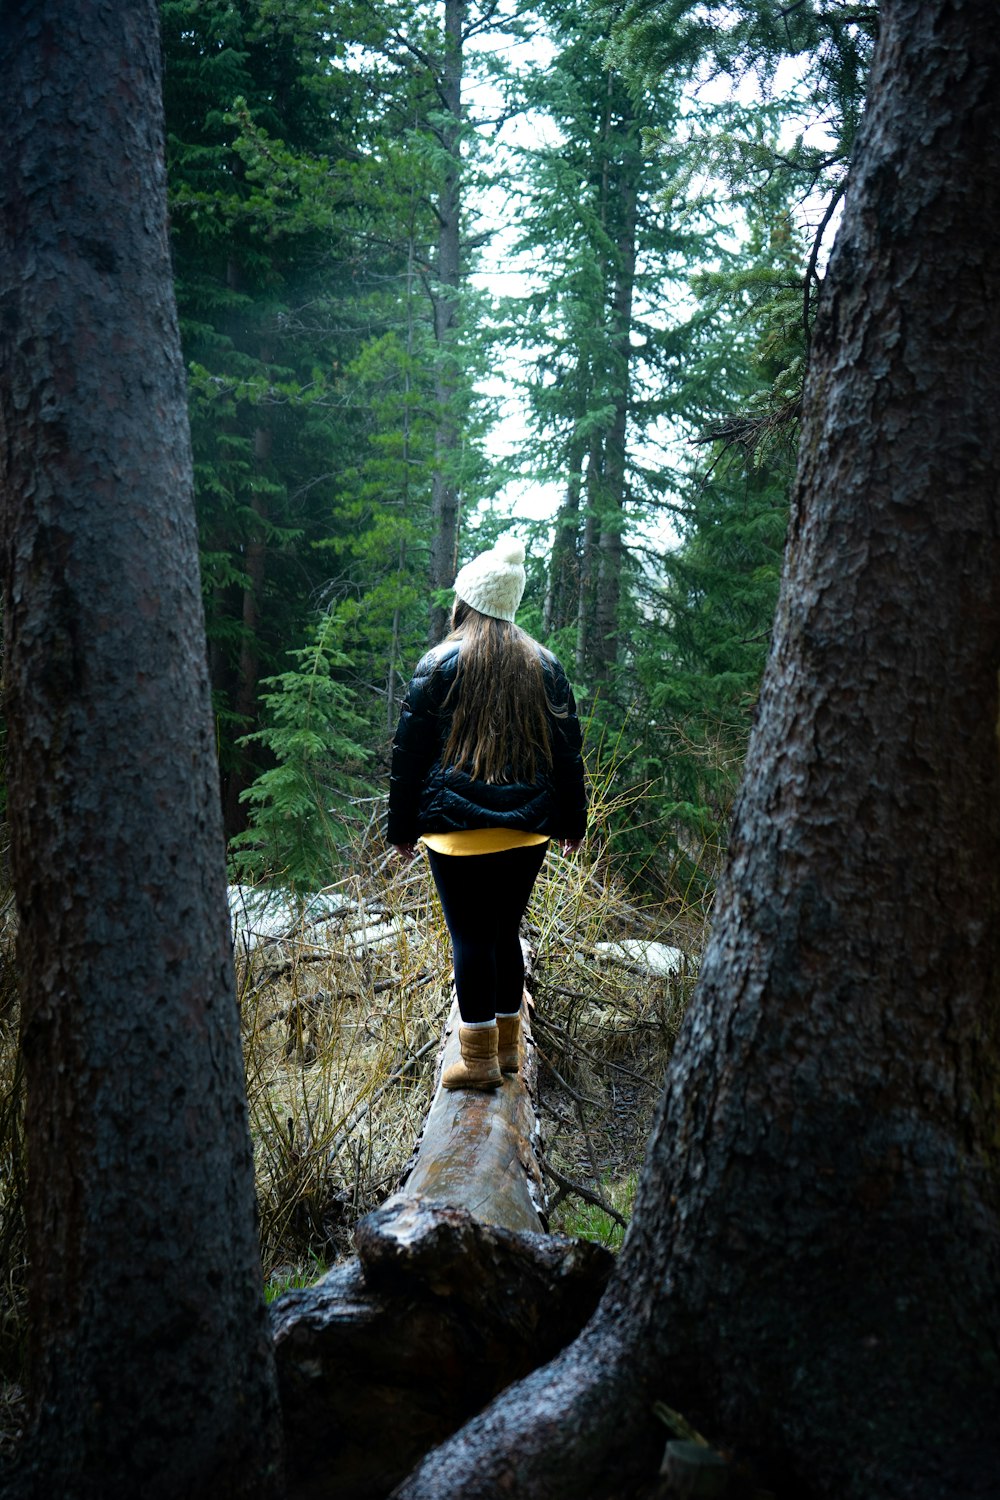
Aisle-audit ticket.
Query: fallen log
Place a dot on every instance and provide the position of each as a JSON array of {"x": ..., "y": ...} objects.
[
  {"x": 389, "y": 1354},
  {"x": 455, "y": 1293},
  {"x": 479, "y": 1151}
]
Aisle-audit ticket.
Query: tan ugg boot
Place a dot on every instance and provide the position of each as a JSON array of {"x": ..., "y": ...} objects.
[
  {"x": 509, "y": 1043},
  {"x": 478, "y": 1068}
]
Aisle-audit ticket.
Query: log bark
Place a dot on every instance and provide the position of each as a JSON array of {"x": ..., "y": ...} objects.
[
  {"x": 456, "y": 1292},
  {"x": 387, "y": 1355},
  {"x": 478, "y": 1151}
]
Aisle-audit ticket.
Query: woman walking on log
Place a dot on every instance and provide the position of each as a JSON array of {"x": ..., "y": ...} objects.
[{"x": 486, "y": 769}]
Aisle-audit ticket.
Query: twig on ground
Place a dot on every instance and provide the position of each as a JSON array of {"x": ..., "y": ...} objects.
[
  {"x": 396, "y": 1076},
  {"x": 601, "y": 1062},
  {"x": 577, "y": 1190},
  {"x": 573, "y": 1093}
]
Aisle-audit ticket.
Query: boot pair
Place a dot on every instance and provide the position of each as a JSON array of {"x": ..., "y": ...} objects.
[{"x": 488, "y": 1052}]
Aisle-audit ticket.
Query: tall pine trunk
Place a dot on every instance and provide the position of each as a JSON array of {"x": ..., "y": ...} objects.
[
  {"x": 151, "y": 1368},
  {"x": 612, "y": 520},
  {"x": 601, "y": 544},
  {"x": 445, "y": 495},
  {"x": 563, "y": 585},
  {"x": 587, "y": 571},
  {"x": 245, "y": 699},
  {"x": 812, "y": 1267}
]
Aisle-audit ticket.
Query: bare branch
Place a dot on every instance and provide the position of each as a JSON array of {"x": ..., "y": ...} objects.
[
  {"x": 831, "y": 207},
  {"x": 577, "y": 1190}
]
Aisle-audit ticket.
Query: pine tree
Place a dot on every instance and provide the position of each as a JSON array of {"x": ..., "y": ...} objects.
[
  {"x": 298, "y": 808},
  {"x": 604, "y": 344},
  {"x": 259, "y": 162},
  {"x": 708, "y": 610},
  {"x": 673, "y": 637},
  {"x": 323, "y": 251}
]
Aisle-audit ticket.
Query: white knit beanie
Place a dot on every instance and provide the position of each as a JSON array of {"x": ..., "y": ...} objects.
[{"x": 494, "y": 581}]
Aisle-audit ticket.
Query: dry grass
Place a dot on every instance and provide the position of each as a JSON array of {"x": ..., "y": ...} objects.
[
  {"x": 605, "y": 1023},
  {"x": 342, "y": 1012},
  {"x": 341, "y": 1018}
]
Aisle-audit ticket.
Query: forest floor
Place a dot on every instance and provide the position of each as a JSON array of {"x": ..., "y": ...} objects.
[
  {"x": 343, "y": 1010},
  {"x": 343, "y": 999}
]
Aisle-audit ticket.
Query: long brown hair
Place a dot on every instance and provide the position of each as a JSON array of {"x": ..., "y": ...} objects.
[{"x": 499, "y": 726}]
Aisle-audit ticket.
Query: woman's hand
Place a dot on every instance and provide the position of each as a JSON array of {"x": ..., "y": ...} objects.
[
  {"x": 570, "y": 846},
  {"x": 405, "y": 853}
]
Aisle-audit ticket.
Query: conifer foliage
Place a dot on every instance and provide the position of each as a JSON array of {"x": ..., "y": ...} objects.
[
  {"x": 316, "y": 161},
  {"x": 337, "y": 176}
]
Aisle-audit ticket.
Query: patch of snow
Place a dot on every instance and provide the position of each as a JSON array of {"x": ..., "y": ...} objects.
[
  {"x": 268, "y": 916},
  {"x": 260, "y": 915},
  {"x": 655, "y": 958},
  {"x": 372, "y": 934}
]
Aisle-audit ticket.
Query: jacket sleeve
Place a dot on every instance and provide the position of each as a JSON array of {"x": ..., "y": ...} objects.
[
  {"x": 414, "y": 748},
  {"x": 568, "y": 778}
]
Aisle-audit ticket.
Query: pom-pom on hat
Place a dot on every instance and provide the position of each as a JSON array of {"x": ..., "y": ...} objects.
[{"x": 494, "y": 581}]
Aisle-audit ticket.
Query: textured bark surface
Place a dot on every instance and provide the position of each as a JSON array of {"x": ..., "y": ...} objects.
[
  {"x": 389, "y": 1354},
  {"x": 812, "y": 1267},
  {"x": 151, "y": 1367}
]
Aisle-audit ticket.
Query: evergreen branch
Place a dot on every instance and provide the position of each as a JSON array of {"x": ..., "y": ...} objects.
[
  {"x": 747, "y": 430},
  {"x": 485, "y": 22},
  {"x": 426, "y": 60}
]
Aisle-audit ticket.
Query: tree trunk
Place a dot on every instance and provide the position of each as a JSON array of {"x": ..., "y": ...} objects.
[
  {"x": 811, "y": 1271},
  {"x": 562, "y": 592},
  {"x": 589, "y": 565},
  {"x": 612, "y": 520},
  {"x": 151, "y": 1370},
  {"x": 445, "y": 495},
  {"x": 602, "y": 547},
  {"x": 245, "y": 704},
  {"x": 389, "y": 1354}
]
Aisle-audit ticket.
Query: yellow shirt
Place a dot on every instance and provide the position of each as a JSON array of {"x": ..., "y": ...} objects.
[{"x": 481, "y": 840}]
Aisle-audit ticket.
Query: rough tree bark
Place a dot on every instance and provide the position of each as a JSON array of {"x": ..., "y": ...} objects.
[
  {"x": 151, "y": 1368},
  {"x": 390, "y": 1353},
  {"x": 812, "y": 1267}
]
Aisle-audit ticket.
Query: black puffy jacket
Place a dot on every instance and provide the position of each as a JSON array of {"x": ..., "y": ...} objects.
[{"x": 425, "y": 797}]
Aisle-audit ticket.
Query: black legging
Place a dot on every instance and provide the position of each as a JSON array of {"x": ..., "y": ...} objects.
[{"x": 484, "y": 898}]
